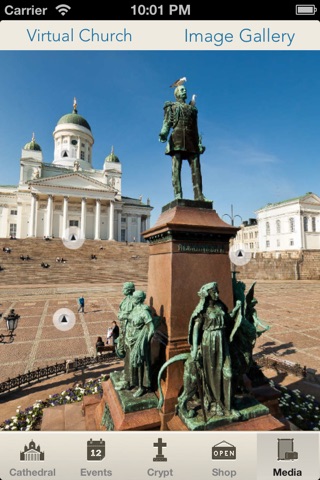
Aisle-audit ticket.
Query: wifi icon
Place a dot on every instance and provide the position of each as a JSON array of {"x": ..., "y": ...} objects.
[{"x": 63, "y": 9}]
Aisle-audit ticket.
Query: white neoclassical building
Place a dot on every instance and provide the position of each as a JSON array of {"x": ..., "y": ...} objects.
[
  {"x": 292, "y": 224},
  {"x": 248, "y": 235},
  {"x": 69, "y": 192}
]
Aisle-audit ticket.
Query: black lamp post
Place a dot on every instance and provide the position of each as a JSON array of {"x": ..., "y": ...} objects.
[
  {"x": 12, "y": 323},
  {"x": 232, "y": 217}
]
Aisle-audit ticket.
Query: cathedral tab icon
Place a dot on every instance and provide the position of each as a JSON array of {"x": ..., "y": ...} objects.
[{"x": 31, "y": 453}]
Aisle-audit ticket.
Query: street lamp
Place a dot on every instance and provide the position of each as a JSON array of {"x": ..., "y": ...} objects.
[
  {"x": 12, "y": 323},
  {"x": 232, "y": 217}
]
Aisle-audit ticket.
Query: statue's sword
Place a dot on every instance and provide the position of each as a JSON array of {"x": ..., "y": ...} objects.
[{"x": 200, "y": 391}]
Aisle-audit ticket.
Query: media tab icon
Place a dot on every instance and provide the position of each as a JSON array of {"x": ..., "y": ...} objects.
[
  {"x": 286, "y": 449},
  {"x": 223, "y": 451}
]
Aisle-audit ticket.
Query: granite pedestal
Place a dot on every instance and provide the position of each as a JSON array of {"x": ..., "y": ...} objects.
[{"x": 189, "y": 246}]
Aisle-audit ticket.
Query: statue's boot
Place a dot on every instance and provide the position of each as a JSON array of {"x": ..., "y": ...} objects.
[
  {"x": 197, "y": 193},
  {"x": 141, "y": 391}
]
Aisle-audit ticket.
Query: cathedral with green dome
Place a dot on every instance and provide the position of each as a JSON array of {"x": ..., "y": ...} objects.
[{"x": 68, "y": 192}]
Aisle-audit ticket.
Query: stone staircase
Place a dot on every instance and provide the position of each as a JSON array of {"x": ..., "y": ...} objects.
[
  {"x": 72, "y": 417},
  {"x": 116, "y": 262}
]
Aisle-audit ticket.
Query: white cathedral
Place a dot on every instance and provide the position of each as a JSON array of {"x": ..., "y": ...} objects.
[{"x": 69, "y": 192}]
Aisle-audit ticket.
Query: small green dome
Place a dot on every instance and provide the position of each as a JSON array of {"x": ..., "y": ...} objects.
[
  {"x": 32, "y": 145},
  {"x": 112, "y": 157},
  {"x": 74, "y": 118}
]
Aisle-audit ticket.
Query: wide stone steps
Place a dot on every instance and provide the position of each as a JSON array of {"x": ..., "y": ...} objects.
[
  {"x": 116, "y": 262},
  {"x": 72, "y": 417}
]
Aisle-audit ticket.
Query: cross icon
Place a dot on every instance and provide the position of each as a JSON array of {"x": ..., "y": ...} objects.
[{"x": 160, "y": 445}]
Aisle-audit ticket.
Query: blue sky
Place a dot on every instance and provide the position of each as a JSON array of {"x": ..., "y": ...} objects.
[{"x": 259, "y": 115}]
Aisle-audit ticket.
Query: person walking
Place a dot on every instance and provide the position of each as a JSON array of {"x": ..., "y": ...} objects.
[{"x": 81, "y": 304}]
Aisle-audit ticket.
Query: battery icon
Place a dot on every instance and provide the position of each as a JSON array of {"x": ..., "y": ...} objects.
[{"x": 306, "y": 9}]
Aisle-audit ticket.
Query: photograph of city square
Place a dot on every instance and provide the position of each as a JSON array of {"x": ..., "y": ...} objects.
[{"x": 98, "y": 204}]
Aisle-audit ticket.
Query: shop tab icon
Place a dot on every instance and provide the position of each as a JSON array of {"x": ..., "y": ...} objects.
[{"x": 223, "y": 451}]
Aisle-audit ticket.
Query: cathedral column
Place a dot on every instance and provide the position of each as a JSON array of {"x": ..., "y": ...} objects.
[
  {"x": 139, "y": 229},
  {"x": 48, "y": 230},
  {"x": 83, "y": 217},
  {"x": 111, "y": 221},
  {"x": 19, "y": 221},
  {"x": 119, "y": 227},
  {"x": 148, "y": 222},
  {"x": 97, "y": 220},
  {"x": 79, "y": 149},
  {"x": 65, "y": 215},
  {"x": 32, "y": 219}
]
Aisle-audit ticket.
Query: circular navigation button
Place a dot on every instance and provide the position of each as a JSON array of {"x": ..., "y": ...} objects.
[
  {"x": 64, "y": 319},
  {"x": 72, "y": 238},
  {"x": 239, "y": 255}
]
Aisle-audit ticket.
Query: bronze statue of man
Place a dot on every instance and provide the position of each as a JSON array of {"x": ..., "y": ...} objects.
[{"x": 184, "y": 142}]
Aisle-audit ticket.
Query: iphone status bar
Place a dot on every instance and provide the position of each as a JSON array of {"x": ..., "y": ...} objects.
[{"x": 159, "y": 11}]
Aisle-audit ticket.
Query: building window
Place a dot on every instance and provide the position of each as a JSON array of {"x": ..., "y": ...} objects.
[
  {"x": 73, "y": 223},
  {"x": 123, "y": 235},
  {"x": 13, "y": 229},
  {"x": 123, "y": 219},
  {"x": 305, "y": 224},
  {"x": 64, "y": 153},
  {"x": 268, "y": 243},
  {"x": 291, "y": 242},
  {"x": 251, "y": 246},
  {"x": 13, "y": 212},
  {"x": 313, "y": 222},
  {"x": 267, "y": 228},
  {"x": 82, "y": 155},
  {"x": 278, "y": 226},
  {"x": 291, "y": 224}
]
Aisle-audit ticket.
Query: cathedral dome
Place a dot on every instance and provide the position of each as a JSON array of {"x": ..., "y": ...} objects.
[
  {"x": 32, "y": 145},
  {"x": 112, "y": 158},
  {"x": 74, "y": 118}
]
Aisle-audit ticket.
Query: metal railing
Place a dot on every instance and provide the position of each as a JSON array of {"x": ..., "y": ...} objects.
[
  {"x": 41, "y": 374},
  {"x": 281, "y": 365}
]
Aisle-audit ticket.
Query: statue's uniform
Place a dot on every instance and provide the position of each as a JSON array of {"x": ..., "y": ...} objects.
[{"x": 183, "y": 144}]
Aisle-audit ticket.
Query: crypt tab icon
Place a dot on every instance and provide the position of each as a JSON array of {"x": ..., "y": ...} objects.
[
  {"x": 223, "y": 451},
  {"x": 160, "y": 445}
]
